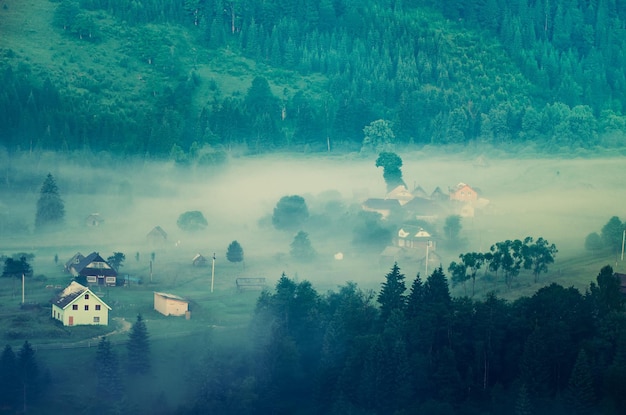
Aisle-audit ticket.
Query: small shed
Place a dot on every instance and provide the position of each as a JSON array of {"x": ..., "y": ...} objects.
[
  {"x": 199, "y": 261},
  {"x": 95, "y": 219},
  {"x": 170, "y": 304}
]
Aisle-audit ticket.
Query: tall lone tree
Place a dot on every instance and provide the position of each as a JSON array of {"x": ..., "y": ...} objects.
[
  {"x": 290, "y": 212},
  {"x": 391, "y": 164},
  {"x": 138, "y": 347},
  {"x": 234, "y": 253},
  {"x": 50, "y": 206}
]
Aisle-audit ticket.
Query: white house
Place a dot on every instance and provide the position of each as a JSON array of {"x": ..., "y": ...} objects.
[
  {"x": 170, "y": 304},
  {"x": 78, "y": 305}
]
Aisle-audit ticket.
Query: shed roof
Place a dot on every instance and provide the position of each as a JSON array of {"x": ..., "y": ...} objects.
[{"x": 170, "y": 296}]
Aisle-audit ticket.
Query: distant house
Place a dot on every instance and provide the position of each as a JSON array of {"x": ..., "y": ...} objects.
[
  {"x": 463, "y": 193},
  {"x": 439, "y": 195},
  {"x": 414, "y": 237},
  {"x": 401, "y": 194},
  {"x": 75, "y": 260},
  {"x": 423, "y": 209},
  {"x": 95, "y": 270},
  {"x": 157, "y": 236},
  {"x": 170, "y": 304},
  {"x": 94, "y": 220},
  {"x": 199, "y": 261},
  {"x": 419, "y": 192},
  {"x": 78, "y": 305},
  {"x": 383, "y": 206}
]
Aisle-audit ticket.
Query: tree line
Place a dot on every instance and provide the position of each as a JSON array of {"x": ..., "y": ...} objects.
[
  {"x": 417, "y": 349},
  {"x": 546, "y": 74}
]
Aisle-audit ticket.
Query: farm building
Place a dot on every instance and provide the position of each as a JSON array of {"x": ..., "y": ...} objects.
[
  {"x": 199, "y": 261},
  {"x": 157, "y": 236},
  {"x": 93, "y": 267},
  {"x": 170, "y": 304},
  {"x": 78, "y": 305}
]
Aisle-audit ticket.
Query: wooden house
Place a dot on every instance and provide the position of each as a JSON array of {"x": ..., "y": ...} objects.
[
  {"x": 170, "y": 304},
  {"x": 401, "y": 194},
  {"x": 419, "y": 192},
  {"x": 413, "y": 237},
  {"x": 199, "y": 261},
  {"x": 73, "y": 261},
  {"x": 157, "y": 236},
  {"x": 439, "y": 195},
  {"x": 463, "y": 193},
  {"x": 78, "y": 305},
  {"x": 383, "y": 206},
  {"x": 95, "y": 270},
  {"x": 423, "y": 209},
  {"x": 93, "y": 220}
]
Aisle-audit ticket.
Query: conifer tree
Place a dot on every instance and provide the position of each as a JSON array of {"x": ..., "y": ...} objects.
[
  {"x": 580, "y": 396},
  {"x": 138, "y": 347},
  {"x": 28, "y": 372},
  {"x": 391, "y": 296},
  {"x": 50, "y": 206},
  {"x": 9, "y": 388},
  {"x": 107, "y": 369}
]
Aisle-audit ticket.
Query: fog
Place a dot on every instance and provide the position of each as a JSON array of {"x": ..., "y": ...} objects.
[{"x": 561, "y": 200}]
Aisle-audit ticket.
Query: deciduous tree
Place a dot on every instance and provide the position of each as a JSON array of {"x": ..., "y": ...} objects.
[
  {"x": 290, "y": 213},
  {"x": 234, "y": 253},
  {"x": 301, "y": 248},
  {"x": 391, "y": 164},
  {"x": 192, "y": 221}
]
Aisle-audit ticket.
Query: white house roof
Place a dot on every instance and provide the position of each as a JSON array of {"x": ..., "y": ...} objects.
[
  {"x": 171, "y": 296},
  {"x": 71, "y": 293}
]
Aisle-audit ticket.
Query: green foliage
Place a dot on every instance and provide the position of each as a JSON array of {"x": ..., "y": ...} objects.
[
  {"x": 192, "y": 221},
  {"x": 613, "y": 232},
  {"x": 391, "y": 164},
  {"x": 378, "y": 137},
  {"x": 107, "y": 370},
  {"x": 593, "y": 242},
  {"x": 452, "y": 228},
  {"x": 116, "y": 260},
  {"x": 18, "y": 265},
  {"x": 9, "y": 387},
  {"x": 50, "y": 206},
  {"x": 391, "y": 296},
  {"x": 138, "y": 349},
  {"x": 290, "y": 213},
  {"x": 370, "y": 232},
  {"x": 234, "y": 253},
  {"x": 301, "y": 248}
]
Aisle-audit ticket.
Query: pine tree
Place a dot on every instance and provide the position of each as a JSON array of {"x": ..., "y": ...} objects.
[
  {"x": 28, "y": 372},
  {"x": 9, "y": 388},
  {"x": 107, "y": 370},
  {"x": 138, "y": 347},
  {"x": 391, "y": 296},
  {"x": 50, "y": 206},
  {"x": 580, "y": 396}
]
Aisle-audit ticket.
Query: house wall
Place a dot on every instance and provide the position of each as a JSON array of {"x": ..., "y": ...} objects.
[
  {"x": 170, "y": 306},
  {"x": 80, "y": 315},
  {"x": 464, "y": 194}
]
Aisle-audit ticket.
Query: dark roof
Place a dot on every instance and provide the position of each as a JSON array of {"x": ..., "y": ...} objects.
[
  {"x": 83, "y": 267},
  {"x": 158, "y": 232},
  {"x": 382, "y": 203},
  {"x": 423, "y": 206}
]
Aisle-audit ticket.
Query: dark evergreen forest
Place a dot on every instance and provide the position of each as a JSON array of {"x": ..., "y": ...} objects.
[
  {"x": 415, "y": 349},
  {"x": 545, "y": 73}
]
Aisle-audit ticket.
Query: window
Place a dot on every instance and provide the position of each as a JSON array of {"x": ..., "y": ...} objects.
[
  {"x": 74, "y": 306},
  {"x": 86, "y": 296},
  {"x": 98, "y": 307},
  {"x": 86, "y": 307},
  {"x": 96, "y": 319}
]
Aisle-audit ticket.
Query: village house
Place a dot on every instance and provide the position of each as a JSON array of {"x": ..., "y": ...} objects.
[
  {"x": 93, "y": 268},
  {"x": 78, "y": 305},
  {"x": 157, "y": 236},
  {"x": 463, "y": 193},
  {"x": 170, "y": 304},
  {"x": 401, "y": 194},
  {"x": 95, "y": 219},
  {"x": 414, "y": 237},
  {"x": 199, "y": 261}
]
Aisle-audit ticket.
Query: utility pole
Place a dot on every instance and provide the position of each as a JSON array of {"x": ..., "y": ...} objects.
[
  {"x": 427, "y": 245},
  {"x": 22, "y": 288},
  {"x": 623, "y": 240},
  {"x": 213, "y": 272}
]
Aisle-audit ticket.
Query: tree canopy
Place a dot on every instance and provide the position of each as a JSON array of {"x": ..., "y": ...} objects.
[
  {"x": 290, "y": 213},
  {"x": 50, "y": 206}
]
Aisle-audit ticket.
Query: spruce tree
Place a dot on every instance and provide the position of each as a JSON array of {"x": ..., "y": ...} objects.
[
  {"x": 391, "y": 296},
  {"x": 107, "y": 370},
  {"x": 28, "y": 372},
  {"x": 9, "y": 388},
  {"x": 138, "y": 347},
  {"x": 50, "y": 206}
]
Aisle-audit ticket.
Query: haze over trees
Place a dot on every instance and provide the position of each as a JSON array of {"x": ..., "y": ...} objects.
[
  {"x": 234, "y": 252},
  {"x": 290, "y": 213},
  {"x": 50, "y": 206},
  {"x": 192, "y": 221}
]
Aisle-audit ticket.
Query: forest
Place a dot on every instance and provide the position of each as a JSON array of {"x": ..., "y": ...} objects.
[
  {"x": 411, "y": 348},
  {"x": 196, "y": 80}
]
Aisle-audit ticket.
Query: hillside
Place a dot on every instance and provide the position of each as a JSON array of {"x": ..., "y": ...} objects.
[{"x": 196, "y": 80}]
